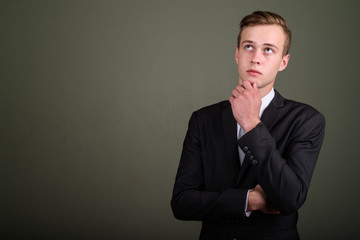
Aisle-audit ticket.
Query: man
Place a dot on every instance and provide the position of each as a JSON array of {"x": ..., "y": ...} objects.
[{"x": 247, "y": 163}]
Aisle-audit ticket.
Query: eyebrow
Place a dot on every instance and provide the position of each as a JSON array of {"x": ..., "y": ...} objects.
[{"x": 265, "y": 44}]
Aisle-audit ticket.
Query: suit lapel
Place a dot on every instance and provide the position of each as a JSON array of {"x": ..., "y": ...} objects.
[
  {"x": 272, "y": 112},
  {"x": 269, "y": 118},
  {"x": 230, "y": 136}
]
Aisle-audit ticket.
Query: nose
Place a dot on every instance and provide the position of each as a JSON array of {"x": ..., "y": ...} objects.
[{"x": 256, "y": 58}]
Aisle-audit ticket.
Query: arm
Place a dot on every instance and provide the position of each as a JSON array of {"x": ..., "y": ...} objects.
[
  {"x": 285, "y": 178},
  {"x": 190, "y": 200}
]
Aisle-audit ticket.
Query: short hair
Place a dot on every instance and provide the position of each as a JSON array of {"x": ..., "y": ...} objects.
[{"x": 266, "y": 18}]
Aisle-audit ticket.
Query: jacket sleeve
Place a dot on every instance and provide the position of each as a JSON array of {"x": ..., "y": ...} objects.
[
  {"x": 190, "y": 201},
  {"x": 285, "y": 177}
]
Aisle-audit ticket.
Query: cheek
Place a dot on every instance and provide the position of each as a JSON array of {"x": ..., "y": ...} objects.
[
  {"x": 243, "y": 60},
  {"x": 241, "y": 68},
  {"x": 274, "y": 67}
]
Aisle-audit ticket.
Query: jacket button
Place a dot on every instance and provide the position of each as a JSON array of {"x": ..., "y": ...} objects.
[
  {"x": 254, "y": 162},
  {"x": 246, "y": 148},
  {"x": 248, "y": 153},
  {"x": 251, "y": 157}
]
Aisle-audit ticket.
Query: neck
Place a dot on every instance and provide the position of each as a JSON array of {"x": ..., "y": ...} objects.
[{"x": 264, "y": 92}]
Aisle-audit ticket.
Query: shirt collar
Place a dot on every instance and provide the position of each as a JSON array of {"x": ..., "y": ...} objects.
[{"x": 265, "y": 101}]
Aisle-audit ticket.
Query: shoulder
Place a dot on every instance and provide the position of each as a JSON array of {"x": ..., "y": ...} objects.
[
  {"x": 212, "y": 114},
  {"x": 213, "y": 108},
  {"x": 299, "y": 111},
  {"x": 300, "y": 108},
  {"x": 286, "y": 104}
]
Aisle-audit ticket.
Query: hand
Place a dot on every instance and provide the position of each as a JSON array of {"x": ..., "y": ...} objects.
[
  {"x": 245, "y": 104},
  {"x": 258, "y": 201}
]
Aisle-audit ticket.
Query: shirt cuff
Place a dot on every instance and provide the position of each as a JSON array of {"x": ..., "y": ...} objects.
[{"x": 247, "y": 213}]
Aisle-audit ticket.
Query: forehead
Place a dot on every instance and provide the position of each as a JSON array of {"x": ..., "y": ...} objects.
[{"x": 264, "y": 34}]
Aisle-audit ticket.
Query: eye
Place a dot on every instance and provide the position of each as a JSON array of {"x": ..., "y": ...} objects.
[
  {"x": 268, "y": 50},
  {"x": 248, "y": 47}
]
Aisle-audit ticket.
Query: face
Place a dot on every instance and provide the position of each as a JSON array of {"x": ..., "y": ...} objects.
[{"x": 260, "y": 55}]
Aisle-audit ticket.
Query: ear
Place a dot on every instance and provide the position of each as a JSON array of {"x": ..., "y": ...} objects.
[
  {"x": 284, "y": 62},
  {"x": 237, "y": 55}
]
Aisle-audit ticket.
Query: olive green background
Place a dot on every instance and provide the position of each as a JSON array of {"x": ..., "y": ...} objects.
[{"x": 95, "y": 97}]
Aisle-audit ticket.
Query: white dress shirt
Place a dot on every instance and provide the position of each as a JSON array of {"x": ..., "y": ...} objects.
[{"x": 265, "y": 101}]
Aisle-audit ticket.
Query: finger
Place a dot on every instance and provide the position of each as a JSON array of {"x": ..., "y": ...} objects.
[
  {"x": 231, "y": 99},
  {"x": 240, "y": 88},
  {"x": 235, "y": 93},
  {"x": 258, "y": 187},
  {"x": 255, "y": 86},
  {"x": 246, "y": 85},
  {"x": 272, "y": 211}
]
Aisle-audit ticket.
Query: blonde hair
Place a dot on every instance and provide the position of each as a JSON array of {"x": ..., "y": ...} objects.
[{"x": 266, "y": 18}]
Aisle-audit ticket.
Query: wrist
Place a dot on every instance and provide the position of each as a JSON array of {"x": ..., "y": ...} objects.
[
  {"x": 256, "y": 201},
  {"x": 251, "y": 201},
  {"x": 250, "y": 125}
]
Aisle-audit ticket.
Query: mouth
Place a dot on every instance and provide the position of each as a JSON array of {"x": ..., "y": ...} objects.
[{"x": 253, "y": 72}]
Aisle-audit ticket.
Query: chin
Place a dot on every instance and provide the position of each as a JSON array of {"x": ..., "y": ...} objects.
[{"x": 252, "y": 81}]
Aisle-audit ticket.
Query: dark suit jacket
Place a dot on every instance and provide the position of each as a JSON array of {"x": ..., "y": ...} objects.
[{"x": 281, "y": 154}]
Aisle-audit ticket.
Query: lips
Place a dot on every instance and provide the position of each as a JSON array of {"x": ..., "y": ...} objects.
[{"x": 253, "y": 72}]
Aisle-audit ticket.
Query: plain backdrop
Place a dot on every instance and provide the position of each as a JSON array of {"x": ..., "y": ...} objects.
[{"x": 95, "y": 98}]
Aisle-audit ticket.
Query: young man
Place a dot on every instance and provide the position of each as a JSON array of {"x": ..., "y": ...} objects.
[{"x": 247, "y": 163}]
